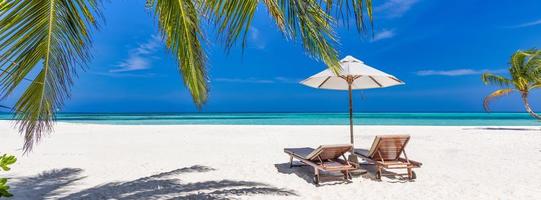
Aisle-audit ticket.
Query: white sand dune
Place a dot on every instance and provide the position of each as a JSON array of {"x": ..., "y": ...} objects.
[{"x": 83, "y": 161}]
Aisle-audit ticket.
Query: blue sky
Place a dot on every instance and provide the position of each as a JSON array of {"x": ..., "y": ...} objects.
[{"x": 439, "y": 48}]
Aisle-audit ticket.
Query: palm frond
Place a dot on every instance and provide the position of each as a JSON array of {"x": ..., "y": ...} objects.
[
  {"x": 3, "y": 5},
  {"x": 309, "y": 21},
  {"x": 530, "y": 52},
  {"x": 525, "y": 68},
  {"x": 489, "y": 78},
  {"x": 535, "y": 85},
  {"x": 533, "y": 65},
  {"x": 53, "y": 38},
  {"x": 343, "y": 9},
  {"x": 178, "y": 21},
  {"x": 516, "y": 64},
  {"x": 277, "y": 13},
  {"x": 492, "y": 96},
  {"x": 305, "y": 19},
  {"x": 232, "y": 18},
  {"x": 518, "y": 58}
]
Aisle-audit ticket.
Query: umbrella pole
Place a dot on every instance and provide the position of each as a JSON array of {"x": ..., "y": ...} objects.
[
  {"x": 350, "y": 113},
  {"x": 352, "y": 157}
]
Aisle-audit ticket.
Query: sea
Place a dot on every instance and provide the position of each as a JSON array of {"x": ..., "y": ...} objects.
[{"x": 402, "y": 119}]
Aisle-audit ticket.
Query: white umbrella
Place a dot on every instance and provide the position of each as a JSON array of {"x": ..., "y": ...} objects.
[{"x": 353, "y": 75}]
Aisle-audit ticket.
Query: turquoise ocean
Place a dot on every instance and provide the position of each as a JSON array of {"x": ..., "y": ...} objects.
[{"x": 411, "y": 119}]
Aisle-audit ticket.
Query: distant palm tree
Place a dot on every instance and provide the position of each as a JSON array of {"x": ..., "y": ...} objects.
[
  {"x": 525, "y": 71},
  {"x": 49, "y": 40}
]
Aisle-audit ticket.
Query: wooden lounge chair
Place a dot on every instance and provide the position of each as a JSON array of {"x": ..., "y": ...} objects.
[
  {"x": 386, "y": 153},
  {"x": 324, "y": 158}
]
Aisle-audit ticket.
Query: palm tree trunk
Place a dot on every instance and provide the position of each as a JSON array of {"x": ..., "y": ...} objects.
[{"x": 524, "y": 96}]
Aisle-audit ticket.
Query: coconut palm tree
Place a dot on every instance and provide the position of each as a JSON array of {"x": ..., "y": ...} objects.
[
  {"x": 48, "y": 41},
  {"x": 525, "y": 71}
]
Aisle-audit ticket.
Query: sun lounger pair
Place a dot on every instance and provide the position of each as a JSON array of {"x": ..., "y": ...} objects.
[{"x": 385, "y": 153}]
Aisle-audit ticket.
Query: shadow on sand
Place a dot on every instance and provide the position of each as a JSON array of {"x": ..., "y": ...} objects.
[
  {"x": 387, "y": 176},
  {"x": 307, "y": 173},
  {"x": 160, "y": 186},
  {"x": 45, "y": 185}
]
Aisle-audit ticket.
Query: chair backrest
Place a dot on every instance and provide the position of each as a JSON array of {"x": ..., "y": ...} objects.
[
  {"x": 388, "y": 147},
  {"x": 325, "y": 152}
]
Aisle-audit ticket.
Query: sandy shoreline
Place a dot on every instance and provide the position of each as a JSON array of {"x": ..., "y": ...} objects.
[{"x": 84, "y": 161}]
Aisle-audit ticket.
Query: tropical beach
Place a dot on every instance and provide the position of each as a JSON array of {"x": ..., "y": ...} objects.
[
  {"x": 269, "y": 99},
  {"x": 248, "y": 162}
]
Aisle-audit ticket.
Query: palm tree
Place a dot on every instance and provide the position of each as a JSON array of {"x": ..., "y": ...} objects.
[
  {"x": 525, "y": 70},
  {"x": 48, "y": 41}
]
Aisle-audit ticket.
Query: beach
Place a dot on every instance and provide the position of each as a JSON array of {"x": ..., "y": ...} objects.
[{"x": 100, "y": 161}]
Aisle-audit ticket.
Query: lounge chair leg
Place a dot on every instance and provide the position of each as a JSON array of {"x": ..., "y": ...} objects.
[
  {"x": 378, "y": 173},
  {"x": 410, "y": 174},
  {"x": 345, "y": 173},
  {"x": 290, "y": 161},
  {"x": 316, "y": 176}
]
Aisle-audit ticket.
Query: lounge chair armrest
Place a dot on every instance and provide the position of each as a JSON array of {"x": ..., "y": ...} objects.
[{"x": 416, "y": 163}]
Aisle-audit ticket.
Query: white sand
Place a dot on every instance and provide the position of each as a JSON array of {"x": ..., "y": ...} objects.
[{"x": 247, "y": 162}]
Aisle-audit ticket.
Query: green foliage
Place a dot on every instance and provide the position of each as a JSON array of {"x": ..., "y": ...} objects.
[
  {"x": 3, "y": 5},
  {"x": 308, "y": 20},
  {"x": 5, "y": 161},
  {"x": 525, "y": 72},
  {"x": 53, "y": 37},
  {"x": 4, "y": 188},
  {"x": 179, "y": 23},
  {"x": 52, "y": 34}
]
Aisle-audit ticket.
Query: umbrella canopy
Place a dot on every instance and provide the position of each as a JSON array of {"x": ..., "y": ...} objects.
[
  {"x": 362, "y": 75},
  {"x": 353, "y": 74}
]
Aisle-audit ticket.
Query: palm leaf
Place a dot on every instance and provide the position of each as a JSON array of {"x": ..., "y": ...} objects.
[
  {"x": 489, "y": 78},
  {"x": 309, "y": 21},
  {"x": 3, "y": 5},
  {"x": 516, "y": 62},
  {"x": 179, "y": 24},
  {"x": 304, "y": 19},
  {"x": 532, "y": 66},
  {"x": 51, "y": 38},
  {"x": 518, "y": 70},
  {"x": 495, "y": 94},
  {"x": 277, "y": 13},
  {"x": 534, "y": 85},
  {"x": 232, "y": 18},
  {"x": 525, "y": 68},
  {"x": 343, "y": 9}
]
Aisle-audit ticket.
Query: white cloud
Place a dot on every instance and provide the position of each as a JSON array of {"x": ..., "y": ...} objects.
[
  {"x": 286, "y": 80},
  {"x": 127, "y": 75},
  {"x": 395, "y": 8},
  {"x": 133, "y": 63},
  {"x": 278, "y": 79},
  {"x": 385, "y": 34},
  {"x": 527, "y": 24},
  {"x": 456, "y": 72},
  {"x": 140, "y": 57}
]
